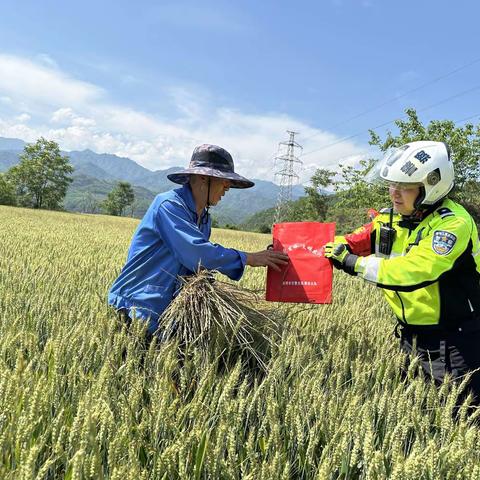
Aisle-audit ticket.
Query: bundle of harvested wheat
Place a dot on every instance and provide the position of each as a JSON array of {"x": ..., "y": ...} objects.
[{"x": 222, "y": 320}]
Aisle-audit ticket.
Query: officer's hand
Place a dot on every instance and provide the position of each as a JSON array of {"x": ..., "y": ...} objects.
[
  {"x": 341, "y": 257},
  {"x": 336, "y": 251},
  {"x": 267, "y": 258}
]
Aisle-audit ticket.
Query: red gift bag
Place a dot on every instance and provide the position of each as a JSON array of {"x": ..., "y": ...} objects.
[{"x": 308, "y": 276}]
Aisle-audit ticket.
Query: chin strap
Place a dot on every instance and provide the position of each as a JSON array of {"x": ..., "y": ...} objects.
[
  {"x": 418, "y": 201},
  {"x": 411, "y": 221},
  {"x": 206, "y": 215}
]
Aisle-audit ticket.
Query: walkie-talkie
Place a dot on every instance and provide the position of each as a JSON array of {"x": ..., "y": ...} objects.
[{"x": 387, "y": 237}]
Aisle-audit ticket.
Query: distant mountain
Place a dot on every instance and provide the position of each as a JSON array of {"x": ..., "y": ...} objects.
[
  {"x": 239, "y": 204},
  {"x": 8, "y": 158},
  {"x": 89, "y": 169},
  {"x": 11, "y": 144},
  {"x": 96, "y": 174},
  {"x": 117, "y": 168},
  {"x": 157, "y": 181},
  {"x": 260, "y": 221},
  {"x": 86, "y": 193}
]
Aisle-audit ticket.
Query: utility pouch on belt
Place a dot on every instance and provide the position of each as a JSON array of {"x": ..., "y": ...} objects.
[{"x": 387, "y": 237}]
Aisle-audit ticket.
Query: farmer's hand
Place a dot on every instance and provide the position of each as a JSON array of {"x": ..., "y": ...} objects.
[
  {"x": 336, "y": 251},
  {"x": 267, "y": 258}
]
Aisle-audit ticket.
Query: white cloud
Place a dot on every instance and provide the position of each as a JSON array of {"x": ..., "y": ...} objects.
[
  {"x": 68, "y": 116},
  {"x": 47, "y": 60},
  {"x": 78, "y": 115},
  {"x": 23, "y": 79},
  {"x": 62, "y": 115},
  {"x": 84, "y": 122},
  {"x": 13, "y": 129},
  {"x": 23, "y": 117}
]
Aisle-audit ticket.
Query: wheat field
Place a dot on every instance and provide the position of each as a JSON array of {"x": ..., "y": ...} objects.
[{"x": 80, "y": 398}]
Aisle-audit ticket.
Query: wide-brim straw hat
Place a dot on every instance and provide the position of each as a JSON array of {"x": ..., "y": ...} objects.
[{"x": 213, "y": 161}]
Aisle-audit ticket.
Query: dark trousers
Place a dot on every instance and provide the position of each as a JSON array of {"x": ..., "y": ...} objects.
[
  {"x": 124, "y": 319},
  {"x": 455, "y": 352}
]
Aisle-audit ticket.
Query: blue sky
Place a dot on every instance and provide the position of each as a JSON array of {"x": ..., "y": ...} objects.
[{"x": 150, "y": 80}]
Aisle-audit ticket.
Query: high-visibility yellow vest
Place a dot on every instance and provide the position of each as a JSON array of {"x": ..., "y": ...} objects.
[{"x": 432, "y": 275}]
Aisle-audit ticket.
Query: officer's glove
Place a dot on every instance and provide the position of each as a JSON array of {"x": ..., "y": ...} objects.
[
  {"x": 336, "y": 251},
  {"x": 341, "y": 257}
]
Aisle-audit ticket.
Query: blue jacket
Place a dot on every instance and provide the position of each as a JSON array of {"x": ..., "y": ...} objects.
[{"x": 169, "y": 243}]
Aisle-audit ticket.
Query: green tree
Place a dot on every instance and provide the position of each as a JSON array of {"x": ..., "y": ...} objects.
[
  {"x": 317, "y": 198},
  {"x": 302, "y": 210},
  {"x": 121, "y": 196},
  {"x": 7, "y": 191},
  {"x": 230, "y": 226},
  {"x": 354, "y": 193},
  {"x": 353, "y": 196},
  {"x": 464, "y": 142},
  {"x": 42, "y": 177},
  {"x": 89, "y": 203},
  {"x": 354, "y": 190},
  {"x": 260, "y": 221}
]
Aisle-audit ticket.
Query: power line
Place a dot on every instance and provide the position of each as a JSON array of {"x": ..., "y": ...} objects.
[
  {"x": 467, "y": 118},
  {"x": 363, "y": 153},
  {"x": 408, "y": 92},
  {"x": 349, "y": 137}
]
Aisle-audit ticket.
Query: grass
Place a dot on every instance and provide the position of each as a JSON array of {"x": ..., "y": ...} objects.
[{"x": 80, "y": 398}]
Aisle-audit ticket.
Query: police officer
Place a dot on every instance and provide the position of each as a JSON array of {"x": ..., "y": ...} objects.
[
  {"x": 173, "y": 239},
  {"x": 425, "y": 255}
]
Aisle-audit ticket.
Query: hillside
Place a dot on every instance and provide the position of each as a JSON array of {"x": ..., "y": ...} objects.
[
  {"x": 260, "y": 221},
  {"x": 96, "y": 174}
]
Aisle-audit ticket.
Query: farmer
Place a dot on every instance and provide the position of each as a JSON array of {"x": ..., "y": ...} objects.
[
  {"x": 425, "y": 255},
  {"x": 172, "y": 240}
]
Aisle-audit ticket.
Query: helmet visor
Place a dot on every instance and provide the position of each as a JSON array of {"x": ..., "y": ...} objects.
[
  {"x": 383, "y": 168},
  {"x": 392, "y": 156},
  {"x": 376, "y": 174},
  {"x": 373, "y": 176}
]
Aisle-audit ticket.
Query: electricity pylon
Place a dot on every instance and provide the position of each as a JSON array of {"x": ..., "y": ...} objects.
[{"x": 286, "y": 176}]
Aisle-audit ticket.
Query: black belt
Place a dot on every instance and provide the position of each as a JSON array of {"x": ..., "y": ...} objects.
[{"x": 403, "y": 329}]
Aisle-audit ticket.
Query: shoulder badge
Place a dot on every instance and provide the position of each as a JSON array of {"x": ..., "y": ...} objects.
[
  {"x": 385, "y": 210},
  {"x": 445, "y": 212},
  {"x": 443, "y": 242}
]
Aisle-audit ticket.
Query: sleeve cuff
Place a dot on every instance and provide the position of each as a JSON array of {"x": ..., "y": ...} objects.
[
  {"x": 237, "y": 273},
  {"x": 243, "y": 258},
  {"x": 350, "y": 263},
  {"x": 368, "y": 268}
]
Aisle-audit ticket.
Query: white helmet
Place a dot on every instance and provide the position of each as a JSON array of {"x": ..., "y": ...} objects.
[{"x": 426, "y": 164}]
